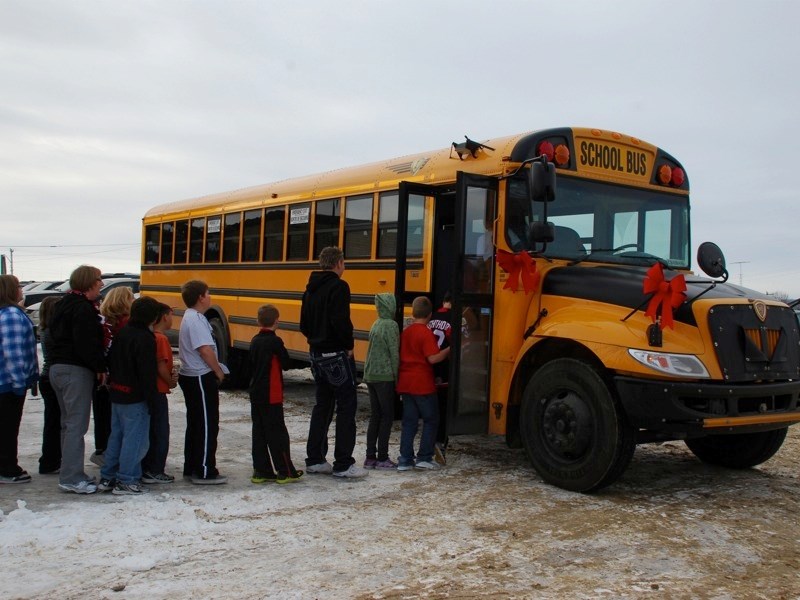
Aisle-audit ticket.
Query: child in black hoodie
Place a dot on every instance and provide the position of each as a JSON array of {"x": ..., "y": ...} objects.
[{"x": 268, "y": 357}]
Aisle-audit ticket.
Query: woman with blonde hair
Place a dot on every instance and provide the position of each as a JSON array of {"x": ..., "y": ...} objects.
[
  {"x": 115, "y": 310},
  {"x": 19, "y": 371}
]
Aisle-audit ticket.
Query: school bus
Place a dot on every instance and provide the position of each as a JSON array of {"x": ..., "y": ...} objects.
[{"x": 579, "y": 329}]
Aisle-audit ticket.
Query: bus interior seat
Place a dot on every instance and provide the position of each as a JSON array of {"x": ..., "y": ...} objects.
[{"x": 566, "y": 242}]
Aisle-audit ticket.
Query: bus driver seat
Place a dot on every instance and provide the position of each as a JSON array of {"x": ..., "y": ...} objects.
[{"x": 566, "y": 242}]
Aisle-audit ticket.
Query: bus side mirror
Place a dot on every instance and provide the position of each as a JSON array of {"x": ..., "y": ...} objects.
[
  {"x": 541, "y": 233},
  {"x": 543, "y": 181},
  {"x": 712, "y": 260}
]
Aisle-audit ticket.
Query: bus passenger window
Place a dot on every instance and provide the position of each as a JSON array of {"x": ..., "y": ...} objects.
[
  {"x": 299, "y": 232},
  {"x": 230, "y": 250},
  {"x": 251, "y": 236},
  {"x": 181, "y": 241},
  {"x": 166, "y": 242},
  {"x": 273, "y": 233},
  {"x": 387, "y": 224},
  {"x": 151, "y": 233},
  {"x": 196, "y": 240},
  {"x": 213, "y": 237},
  {"x": 416, "y": 225},
  {"x": 358, "y": 227},
  {"x": 326, "y": 225}
]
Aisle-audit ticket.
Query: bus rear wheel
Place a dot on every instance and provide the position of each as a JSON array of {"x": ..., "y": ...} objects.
[
  {"x": 739, "y": 450},
  {"x": 573, "y": 429}
]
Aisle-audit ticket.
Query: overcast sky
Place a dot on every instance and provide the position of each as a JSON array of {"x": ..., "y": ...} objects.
[{"x": 110, "y": 108}]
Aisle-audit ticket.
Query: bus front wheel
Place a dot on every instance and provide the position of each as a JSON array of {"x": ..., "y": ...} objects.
[
  {"x": 573, "y": 429},
  {"x": 739, "y": 450}
]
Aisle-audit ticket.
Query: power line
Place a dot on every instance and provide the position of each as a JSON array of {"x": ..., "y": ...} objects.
[{"x": 72, "y": 245}]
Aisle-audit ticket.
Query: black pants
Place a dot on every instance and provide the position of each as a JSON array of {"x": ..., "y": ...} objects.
[
  {"x": 10, "y": 417},
  {"x": 101, "y": 412},
  {"x": 381, "y": 402},
  {"x": 51, "y": 431},
  {"x": 201, "y": 394},
  {"x": 270, "y": 439}
]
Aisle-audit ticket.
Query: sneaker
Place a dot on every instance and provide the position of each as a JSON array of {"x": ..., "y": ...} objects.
[
  {"x": 401, "y": 466},
  {"x": 97, "y": 458},
  {"x": 106, "y": 485},
  {"x": 128, "y": 489},
  {"x": 157, "y": 478},
  {"x": 386, "y": 465},
  {"x": 21, "y": 478},
  {"x": 218, "y": 480},
  {"x": 84, "y": 487},
  {"x": 321, "y": 468},
  {"x": 262, "y": 477},
  {"x": 46, "y": 471},
  {"x": 352, "y": 472},
  {"x": 439, "y": 454},
  {"x": 290, "y": 478},
  {"x": 370, "y": 463},
  {"x": 427, "y": 465}
]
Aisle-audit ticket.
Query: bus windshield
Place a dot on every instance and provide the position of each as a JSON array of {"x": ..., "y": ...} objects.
[{"x": 602, "y": 222}]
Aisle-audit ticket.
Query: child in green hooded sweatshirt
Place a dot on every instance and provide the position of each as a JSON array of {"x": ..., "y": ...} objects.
[{"x": 380, "y": 374}]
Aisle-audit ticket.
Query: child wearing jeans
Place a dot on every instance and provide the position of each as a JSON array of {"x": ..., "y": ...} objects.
[
  {"x": 418, "y": 353},
  {"x": 154, "y": 463},
  {"x": 380, "y": 374},
  {"x": 268, "y": 356}
]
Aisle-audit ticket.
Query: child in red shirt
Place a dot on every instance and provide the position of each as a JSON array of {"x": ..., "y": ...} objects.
[
  {"x": 155, "y": 461},
  {"x": 416, "y": 385}
]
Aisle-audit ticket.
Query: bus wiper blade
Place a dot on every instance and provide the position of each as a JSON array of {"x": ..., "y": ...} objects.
[{"x": 585, "y": 256}]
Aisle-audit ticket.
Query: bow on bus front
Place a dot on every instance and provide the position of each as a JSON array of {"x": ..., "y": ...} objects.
[
  {"x": 519, "y": 265},
  {"x": 667, "y": 295}
]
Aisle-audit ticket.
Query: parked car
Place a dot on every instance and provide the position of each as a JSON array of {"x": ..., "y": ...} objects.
[{"x": 108, "y": 285}]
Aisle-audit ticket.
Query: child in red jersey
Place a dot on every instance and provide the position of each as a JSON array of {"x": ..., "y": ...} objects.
[
  {"x": 268, "y": 357},
  {"x": 418, "y": 353}
]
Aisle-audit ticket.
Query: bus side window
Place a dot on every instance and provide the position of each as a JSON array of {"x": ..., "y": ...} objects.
[
  {"x": 387, "y": 224},
  {"x": 358, "y": 227},
  {"x": 196, "y": 240},
  {"x": 299, "y": 232},
  {"x": 230, "y": 248},
  {"x": 181, "y": 241},
  {"x": 251, "y": 236},
  {"x": 151, "y": 246},
  {"x": 326, "y": 225},
  {"x": 167, "y": 230},
  {"x": 213, "y": 238},
  {"x": 273, "y": 233}
]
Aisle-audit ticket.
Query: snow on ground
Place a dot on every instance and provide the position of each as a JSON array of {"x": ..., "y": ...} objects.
[{"x": 486, "y": 526}]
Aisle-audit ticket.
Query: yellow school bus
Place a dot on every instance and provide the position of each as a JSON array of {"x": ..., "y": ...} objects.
[{"x": 578, "y": 330}]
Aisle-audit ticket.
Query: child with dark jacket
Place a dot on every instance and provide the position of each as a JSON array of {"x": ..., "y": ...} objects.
[
  {"x": 268, "y": 359},
  {"x": 132, "y": 371}
]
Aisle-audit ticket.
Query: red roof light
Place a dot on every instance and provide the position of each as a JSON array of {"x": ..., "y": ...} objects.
[{"x": 546, "y": 148}]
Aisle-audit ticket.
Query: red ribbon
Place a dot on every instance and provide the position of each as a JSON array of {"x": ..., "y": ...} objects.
[
  {"x": 519, "y": 264},
  {"x": 668, "y": 295}
]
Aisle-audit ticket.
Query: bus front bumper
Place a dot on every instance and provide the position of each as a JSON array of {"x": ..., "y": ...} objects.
[{"x": 684, "y": 409}]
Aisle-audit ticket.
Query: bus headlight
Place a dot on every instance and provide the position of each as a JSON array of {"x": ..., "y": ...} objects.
[{"x": 682, "y": 365}]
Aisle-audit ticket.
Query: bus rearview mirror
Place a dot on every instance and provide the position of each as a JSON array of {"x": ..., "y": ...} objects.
[{"x": 543, "y": 181}]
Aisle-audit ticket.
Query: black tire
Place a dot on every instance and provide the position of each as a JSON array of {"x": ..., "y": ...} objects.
[
  {"x": 738, "y": 450},
  {"x": 573, "y": 429}
]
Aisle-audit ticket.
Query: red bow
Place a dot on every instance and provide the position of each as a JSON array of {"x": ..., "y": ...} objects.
[
  {"x": 518, "y": 265},
  {"x": 669, "y": 295}
]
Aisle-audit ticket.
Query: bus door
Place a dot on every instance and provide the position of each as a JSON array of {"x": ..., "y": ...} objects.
[
  {"x": 473, "y": 292},
  {"x": 448, "y": 246}
]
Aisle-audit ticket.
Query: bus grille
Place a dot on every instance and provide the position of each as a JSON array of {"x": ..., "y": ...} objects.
[{"x": 751, "y": 350}]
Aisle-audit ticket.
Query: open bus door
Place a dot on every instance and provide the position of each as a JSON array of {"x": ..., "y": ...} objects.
[{"x": 461, "y": 261}]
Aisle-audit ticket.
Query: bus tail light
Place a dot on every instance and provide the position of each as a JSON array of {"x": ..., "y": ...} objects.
[
  {"x": 664, "y": 174},
  {"x": 678, "y": 177},
  {"x": 546, "y": 148}
]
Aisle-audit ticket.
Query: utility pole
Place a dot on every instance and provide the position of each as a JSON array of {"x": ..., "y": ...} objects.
[{"x": 740, "y": 263}]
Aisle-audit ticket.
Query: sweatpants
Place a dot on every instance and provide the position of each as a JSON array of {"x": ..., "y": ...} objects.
[
  {"x": 74, "y": 387},
  {"x": 201, "y": 394}
]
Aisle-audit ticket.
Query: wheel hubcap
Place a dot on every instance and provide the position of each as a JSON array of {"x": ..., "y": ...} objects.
[{"x": 566, "y": 425}]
